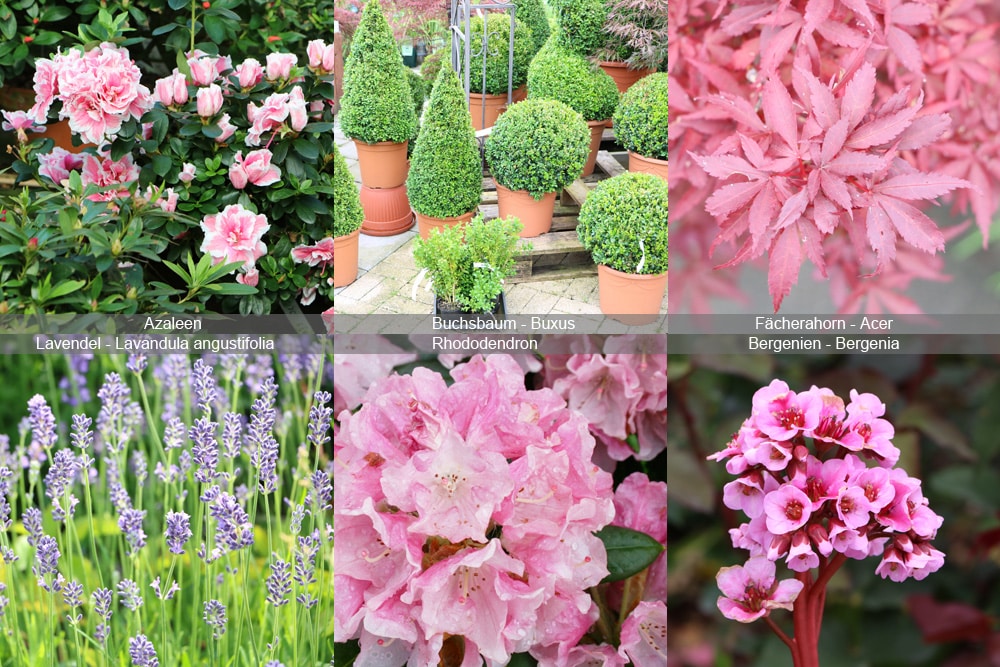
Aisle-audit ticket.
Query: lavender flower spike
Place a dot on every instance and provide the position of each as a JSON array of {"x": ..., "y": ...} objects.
[
  {"x": 46, "y": 559},
  {"x": 128, "y": 592},
  {"x": 42, "y": 421},
  {"x": 178, "y": 531},
  {"x": 320, "y": 415},
  {"x": 279, "y": 584},
  {"x": 215, "y": 617},
  {"x": 205, "y": 450},
  {"x": 130, "y": 523},
  {"x": 142, "y": 652},
  {"x": 102, "y": 607}
]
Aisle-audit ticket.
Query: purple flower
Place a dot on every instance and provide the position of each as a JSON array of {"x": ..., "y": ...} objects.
[
  {"x": 61, "y": 474},
  {"x": 114, "y": 396},
  {"x": 102, "y": 598},
  {"x": 82, "y": 436},
  {"x": 232, "y": 435},
  {"x": 46, "y": 561},
  {"x": 137, "y": 363},
  {"x": 322, "y": 490},
  {"x": 174, "y": 374},
  {"x": 74, "y": 383},
  {"x": 234, "y": 529},
  {"x": 258, "y": 371},
  {"x": 43, "y": 423},
  {"x": 128, "y": 593},
  {"x": 295, "y": 524},
  {"x": 305, "y": 566},
  {"x": 261, "y": 437},
  {"x": 142, "y": 652},
  {"x": 320, "y": 415},
  {"x": 174, "y": 434},
  {"x": 9, "y": 556},
  {"x": 275, "y": 663},
  {"x": 279, "y": 584},
  {"x": 178, "y": 531},
  {"x": 205, "y": 450},
  {"x": 4, "y": 601},
  {"x": 130, "y": 523},
  {"x": 174, "y": 587},
  {"x": 5, "y": 475},
  {"x": 204, "y": 386},
  {"x": 72, "y": 597},
  {"x": 140, "y": 467},
  {"x": 215, "y": 617},
  {"x": 32, "y": 519}
]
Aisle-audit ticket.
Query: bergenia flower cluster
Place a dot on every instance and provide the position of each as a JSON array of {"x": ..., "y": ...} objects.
[
  {"x": 466, "y": 511},
  {"x": 819, "y": 483},
  {"x": 822, "y": 131}
]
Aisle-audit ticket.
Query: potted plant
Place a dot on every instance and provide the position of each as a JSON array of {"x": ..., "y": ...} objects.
[
  {"x": 489, "y": 89},
  {"x": 446, "y": 176},
  {"x": 559, "y": 74},
  {"x": 537, "y": 148},
  {"x": 347, "y": 219},
  {"x": 469, "y": 264},
  {"x": 623, "y": 224},
  {"x": 636, "y": 44},
  {"x": 377, "y": 106},
  {"x": 581, "y": 25},
  {"x": 641, "y": 125}
]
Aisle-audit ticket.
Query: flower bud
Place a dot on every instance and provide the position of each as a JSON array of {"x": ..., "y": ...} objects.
[
  {"x": 203, "y": 70},
  {"x": 819, "y": 537},
  {"x": 279, "y": 65},
  {"x": 33, "y": 244},
  {"x": 116, "y": 247},
  {"x": 298, "y": 117},
  {"x": 187, "y": 173},
  {"x": 249, "y": 73},
  {"x": 779, "y": 546},
  {"x": 209, "y": 101}
]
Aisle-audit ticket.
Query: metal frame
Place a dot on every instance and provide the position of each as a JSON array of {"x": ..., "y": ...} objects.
[{"x": 461, "y": 44}]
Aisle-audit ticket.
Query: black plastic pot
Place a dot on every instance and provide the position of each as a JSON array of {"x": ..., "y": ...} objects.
[
  {"x": 499, "y": 310},
  {"x": 409, "y": 54}
]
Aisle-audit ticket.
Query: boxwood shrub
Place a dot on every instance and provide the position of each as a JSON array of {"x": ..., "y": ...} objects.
[
  {"x": 497, "y": 44},
  {"x": 619, "y": 213},
  {"x": 377, "y": 103},
  {"x": 446, "y": 175},
  {"x": 581, "y": 25},
  {"x": 432, "y": 64},
  {"x": 532, "y": 14},
  {"x": 418, "y": 90},
  {"x": 641, "y": 119},
  {"x": 347, "y": 212},
  {"x": 559, "y": 74},
  {"x": 539, "y": 146}
]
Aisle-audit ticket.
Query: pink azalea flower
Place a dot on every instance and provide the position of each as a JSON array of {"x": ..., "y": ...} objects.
[
  {"x": 187, "y": 173},
  {"x": 256, "y": 168},
  {"x": 209, "y": 100},
  {"x": 271, "y": 115},
  {"x": 248, "y": 276},
  {"x": 249, "y": 73},
  {"x": 787, "y": 509},
  {"x": 46, "y": 85},
  {"x": 20, "y": 121},
  {"x": 279, "y": 65},
  {"x": 203, "y": 70},
  {"x": 166, "y": 199},
  {"x": 307, "y": 295},
  {"x": 105, "y": 172},
  {"x": 172, "y": 90},
  {"x": 298, "y": 116},
  {"x": 750, "y": 591},
  {"x": 234, "y": 235},
  {"x": 320, "y": 55},
  {"x": 644, "y": 634},
  {"x": 228, "y": 129},
  {"x": 57, "y": 165},
  {"x": 321, "y": 253}
]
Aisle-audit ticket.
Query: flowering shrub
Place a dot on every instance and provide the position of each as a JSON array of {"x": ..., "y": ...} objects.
[
  {"x": 180, "y": 510},
  {"x": 821, "y": 132},
  {"x": 813, "y": 501},
  {"x": 207, "y": 142},
  {"x": 467, "y": 516}
]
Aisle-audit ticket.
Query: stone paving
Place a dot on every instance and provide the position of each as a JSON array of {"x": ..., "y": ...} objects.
[{"x": 387, "y": 273}]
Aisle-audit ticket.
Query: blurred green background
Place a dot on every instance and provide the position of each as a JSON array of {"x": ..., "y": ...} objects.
[{"x": 946, "y": 412}]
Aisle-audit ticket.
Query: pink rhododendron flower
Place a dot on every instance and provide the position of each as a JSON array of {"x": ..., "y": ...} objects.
[
  {"x": 298, "y": 116},
  {"x": 209, "y": 100},
  {"x": 166, "y": 199},
  {"x": 248, "y": 276},
  {"x": 203, "y": 70},
  {"x": 750, "y": 591},
  {"x": 234, "y": 235},
  {"x": 355, "y": 373},
  {"x": 466, "y": 510},
  {"x": 641, "y": 504},
  {"x": 56, "y": 165},
  {"x": 105, "y": 172},
  {"x": 187, "y": 173},
  {"x": 644, "y": 634},
  {"x": 320, "y": 55},
  {"x": 279, "y": 65},
  {"x": 249, "y": 73},
  {"x": 321, "y": 253},
  {"x": 172, "y": 90},
  {"x": 256, "y": 168},
  {"x": 20, "y": 121},
  {"x": 228, "y": 129},
  {"x": 99, "y": 90},
  {"x": 271, "y": 115}
]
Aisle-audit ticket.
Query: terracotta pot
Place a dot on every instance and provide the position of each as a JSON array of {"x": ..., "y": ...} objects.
[
  {"x": 623, "y": 76},
  {"x": 520, "y": 93},
  {"x": 596, "y": 134},
  {"x": 21, "y": 99},
  {"x": 345, "y": 259},
  {"x": 494, "y": 105},
  {"x": 426, "y": 223},
  {"x": 630, "y": 294},
  {"x": 536, "y": 216},
  {"x": 387, "y": 211},
  {"x": 647, "y": 165},
  {"x": 383, "y": 165}
]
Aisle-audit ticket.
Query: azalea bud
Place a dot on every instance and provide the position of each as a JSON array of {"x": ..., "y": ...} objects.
[
  {"x": 203, "y": 70},
  {"x": 116, "y": 247},
  {"x": 209, "y": 101},
  {"x": 187, "y": 173},
  {"x": 33, "y": 244},
  {"x": 131, "y": 293},
  {"x": 298, "y": 117},
  {"x": 279, "y": 65},
  {"x": 228, "y": 129},
  {"x": 4, "y": 308},
  {"x": 249, "y": 73},
  {"x": 315, "y": 52}
]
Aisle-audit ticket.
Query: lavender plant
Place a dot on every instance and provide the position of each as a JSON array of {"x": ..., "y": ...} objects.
[{"x": 182, "y": 514}]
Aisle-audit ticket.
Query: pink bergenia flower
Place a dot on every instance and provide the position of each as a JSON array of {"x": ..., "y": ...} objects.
[
  {"x": 781, "y": 413},
  {"x": 104, "y": 172},
  {"x": 234, "y": 235},
  {"x": 203, "y": 70},
  {"x": 644, "y": 634},
  {"x": 750, "y": 591},
  {"x": 249, "y": 73},
  {"x": 99, "y": 90},
  {"x": 787, "y": 509},
  {"x": 209, "y": 100},
  {"x": 256, "y": 169},
  {"x": 271, "y": 115},
  {"x": 172, "y": 90},
  {"x": 279, "y": 65},
  {"x": 321, "y": 253},
  {"x": 188, "y": 172},
  {"x": 56, "y": 165}
]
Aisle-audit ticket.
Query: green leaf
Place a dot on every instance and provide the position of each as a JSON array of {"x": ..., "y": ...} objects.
[
  {"x": 306, "y": 149},
  {"x": 56, "y": 13},
  {"x": 162, "y": 164},
  {"x": 629, "y": 551},
  {"x": 179, "y": 271},
  {"x": 633, "y": 441},
  {"x": 47, "y": 38},
  {"x": 236, "y": 289},
  {"x": 62, "y": 289},
  {"x": 522, "y": 660},
  {"x": 216, "y": 28}
]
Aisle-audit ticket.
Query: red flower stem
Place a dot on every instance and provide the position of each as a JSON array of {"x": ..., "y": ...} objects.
[{"x": 789, "y": 642}]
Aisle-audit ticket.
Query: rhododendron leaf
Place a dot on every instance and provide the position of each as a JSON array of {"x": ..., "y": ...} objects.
[
  {"x": 783, "y": 265},
  {"x": 779, "y": 111},
  {"x": 629, "y": 551}
]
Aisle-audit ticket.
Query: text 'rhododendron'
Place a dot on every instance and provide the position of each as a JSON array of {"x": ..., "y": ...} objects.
[
  {"x": 813, "y": 501},
  {"x": 466, "y": 513}
]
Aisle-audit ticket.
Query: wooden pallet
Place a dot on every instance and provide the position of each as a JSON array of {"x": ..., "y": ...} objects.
[{"x": 557, "y": 255}]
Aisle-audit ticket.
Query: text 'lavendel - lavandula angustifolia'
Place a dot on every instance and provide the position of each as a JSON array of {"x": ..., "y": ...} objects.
[{"x": 141, "y": 650}]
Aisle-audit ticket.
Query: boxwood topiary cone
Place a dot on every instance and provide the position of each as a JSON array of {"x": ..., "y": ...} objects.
[
  {"x": 581, "y": 25},
  {"x": 347, "y": 219},
  {"x": 445, "y": 178},
  {"x": 377, "y": 105}
]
